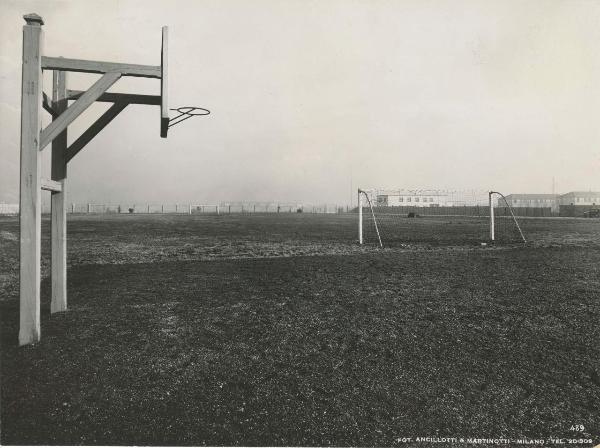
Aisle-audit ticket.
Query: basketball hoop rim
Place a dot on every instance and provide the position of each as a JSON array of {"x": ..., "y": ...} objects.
[
  {"x": 187, "y": 112},
  {"x": 190, "y": 110}
]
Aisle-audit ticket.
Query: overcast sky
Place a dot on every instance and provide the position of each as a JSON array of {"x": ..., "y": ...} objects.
[{"x": 309, "y": 97}]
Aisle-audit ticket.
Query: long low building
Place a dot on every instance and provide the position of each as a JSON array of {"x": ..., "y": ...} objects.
[
  {"x": 532, "y": 200},
  {"x": 554, "y": 201},
  {"x": 427, "y": 198},
  {"x": 580, "y": 198},
  {"x": 442, "y": 198},
  {"x": 415, "y": 198}
]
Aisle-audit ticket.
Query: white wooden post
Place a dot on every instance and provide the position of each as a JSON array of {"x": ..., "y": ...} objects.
[
  {"x": 190, "y": 209},
  {"x": 360, "y": 220},
  {"x": 492, "y": 235},
  {"x": 89, "y": 207},
  {"x": 59, "y": 200},
  {"x": 30, "y": 193},
  {"x": 217, "y": 207}
]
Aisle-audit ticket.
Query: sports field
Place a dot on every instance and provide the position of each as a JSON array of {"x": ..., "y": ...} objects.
[{"x": 278, "y": 329}]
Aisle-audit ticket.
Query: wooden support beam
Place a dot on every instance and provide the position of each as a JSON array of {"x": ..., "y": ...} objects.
[
  {"x": 47, "y": 106},
  {"x": 108, "y": 97},
  {"x": 58, "y": 273},
  {"x": 83, "y": 66},
  {"x": 94, "y": 129},
  {"x": 30, "y": 192},
  {"x": 51, "y": 185},
  {"x": 75, "y": 109}
]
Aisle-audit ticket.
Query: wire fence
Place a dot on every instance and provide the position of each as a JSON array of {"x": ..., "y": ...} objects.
[
  {"x": 189, "y": 208},
  {"x": 9, "y": 209}
]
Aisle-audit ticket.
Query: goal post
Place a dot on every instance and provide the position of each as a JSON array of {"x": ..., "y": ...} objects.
[
  {"x": 360, "y": 216},
  {"x": 360, "y": 219},
  {"x": 492, "y": 230}
]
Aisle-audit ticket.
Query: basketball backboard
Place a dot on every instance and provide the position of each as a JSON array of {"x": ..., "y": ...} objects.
[{"x": 164, "y": 93}]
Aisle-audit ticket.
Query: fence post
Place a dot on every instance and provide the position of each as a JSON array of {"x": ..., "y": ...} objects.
[
  {"x": 89, "y": 207},
  {"x": 190, "y": 209},
  {"x": 73, "y": 208}
]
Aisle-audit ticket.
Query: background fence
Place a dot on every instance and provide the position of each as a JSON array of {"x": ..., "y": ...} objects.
[
  {"x": 221, "y": 208},
  {"x": 274, "y": 207},
  {"x": 577, "y": 210},
  {"x": 9, "y": 209}
]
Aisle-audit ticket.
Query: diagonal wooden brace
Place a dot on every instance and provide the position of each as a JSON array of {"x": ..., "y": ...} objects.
[
  {"x": 94, "y": 129},
  {"x": 77, "y": 108}
]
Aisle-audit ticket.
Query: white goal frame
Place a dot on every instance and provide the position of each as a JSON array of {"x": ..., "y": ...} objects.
[
  {"x": 492, "y": 217},
  {"x": 362, "y": 193}
]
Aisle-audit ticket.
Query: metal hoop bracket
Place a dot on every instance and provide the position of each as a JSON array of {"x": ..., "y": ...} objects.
[{"x": 187, "y": 112}]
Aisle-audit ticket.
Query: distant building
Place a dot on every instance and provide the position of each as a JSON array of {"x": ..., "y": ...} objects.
[
  {"x": 427, "y": 198},
  {"x": 578, "y": 203},
  {"x": 580, "y": 198},
  {"x": 414, "y": 198},
  {"x": 532, "y": 200}
]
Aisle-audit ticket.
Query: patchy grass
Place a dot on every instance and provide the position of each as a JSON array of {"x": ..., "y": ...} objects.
[{"x": 279, "y": 330}]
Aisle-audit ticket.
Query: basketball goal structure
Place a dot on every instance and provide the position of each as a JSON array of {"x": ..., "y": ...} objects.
[{"x": 34, "y": 140}]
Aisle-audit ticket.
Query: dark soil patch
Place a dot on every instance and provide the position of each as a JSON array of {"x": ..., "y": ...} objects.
[{"x": 358, "y": 348}]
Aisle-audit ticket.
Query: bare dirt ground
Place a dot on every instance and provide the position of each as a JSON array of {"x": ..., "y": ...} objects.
[{"x": 281, "y": 330}]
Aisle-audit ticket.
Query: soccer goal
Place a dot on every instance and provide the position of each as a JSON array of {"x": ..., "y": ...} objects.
[{"x": 388, "y": 218}]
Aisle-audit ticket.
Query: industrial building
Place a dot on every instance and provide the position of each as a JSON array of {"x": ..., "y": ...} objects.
[{"x": 533, "y": 200}]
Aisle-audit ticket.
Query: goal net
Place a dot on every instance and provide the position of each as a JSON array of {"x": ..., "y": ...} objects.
[{"x": 436, "y": 217}]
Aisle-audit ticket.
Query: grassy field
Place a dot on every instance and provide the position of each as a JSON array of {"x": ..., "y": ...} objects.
[{"x": 281, "y": 330}]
